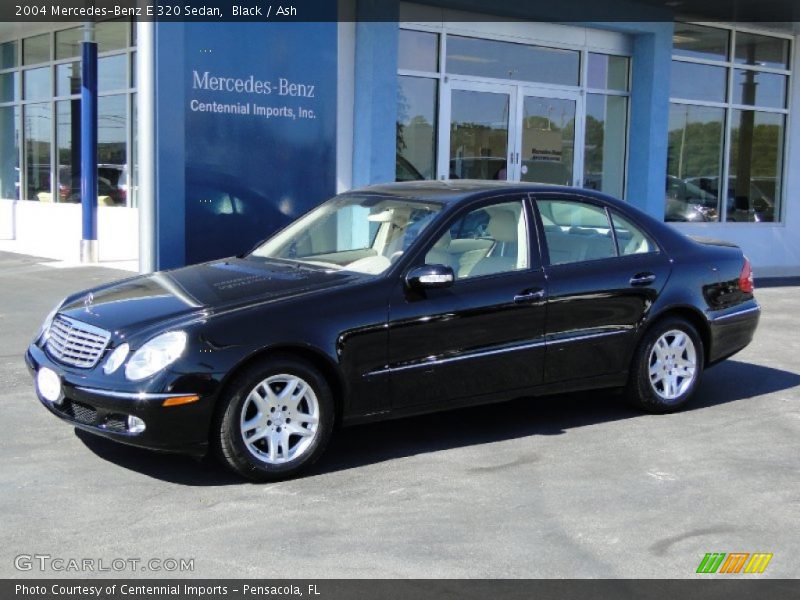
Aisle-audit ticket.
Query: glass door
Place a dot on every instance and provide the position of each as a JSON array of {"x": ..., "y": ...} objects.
[
  {"x": 550, "y": 130},
  {"x": 479, "y": 136}
]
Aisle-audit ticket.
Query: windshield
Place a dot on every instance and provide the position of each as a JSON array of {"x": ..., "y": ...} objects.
[{"x": 365, "y": 234}]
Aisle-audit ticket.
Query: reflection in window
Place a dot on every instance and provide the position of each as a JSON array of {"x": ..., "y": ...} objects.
[
  {"x": 68, "y": 42},
  {"x": 548, "y": 140},
  {"x": 112, "y": 73},
  {"x": 696, "y": 41},
  {"x": 8, "y": 87},
  {"x": 416, "y": 128},
  {"x": 606, "y": 72},
  {"x": 9, "y": 152},
  {"x": 478, "y": 135},
  {"x": 8, "y": 55},
  {"x": 756, "y": 163},
  {"x": 68, "y": 79},
  {"x": 762, "y": 50},
  {"x": 68, "y": 153},
  {"x": 112, "y": 160},
  {"x": 37, "y": 138},
  {"x": 36, "y": 49},
  {"x": 694, "y": 164},
  {"x": 506, "y": 60},
  {"x": 604, "y": 150},
  {"x": 36, "y": 84},
  {"x": 111, "y": 35},
  {"x": 759, "y": 89},
  {"x": 698, "y": 82},
  {"x": 418, "y": 51}
]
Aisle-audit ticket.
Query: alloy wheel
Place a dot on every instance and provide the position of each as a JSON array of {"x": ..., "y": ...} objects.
[
  {"x": 672, "y": 364},
  {"x": 279, "y": 419}
]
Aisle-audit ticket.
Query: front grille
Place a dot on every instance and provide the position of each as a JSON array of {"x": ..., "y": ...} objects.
[
  {"x": 82, "y": 413},
  {"x": 75, "y": 343}
]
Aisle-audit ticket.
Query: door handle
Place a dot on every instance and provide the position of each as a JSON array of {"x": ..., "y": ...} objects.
[
  {"x": 643, "y": 278},
  {"x": 529, "y": 296}
]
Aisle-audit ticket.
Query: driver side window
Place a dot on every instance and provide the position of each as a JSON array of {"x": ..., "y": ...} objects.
[{"x": 486, "y": 241}]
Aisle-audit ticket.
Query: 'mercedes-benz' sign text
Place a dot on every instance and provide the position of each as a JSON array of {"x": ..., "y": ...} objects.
[{"x": 251, "y": 85}]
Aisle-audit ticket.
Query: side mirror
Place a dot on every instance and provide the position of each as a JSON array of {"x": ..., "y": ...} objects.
[{"x": 428, "y": 277}]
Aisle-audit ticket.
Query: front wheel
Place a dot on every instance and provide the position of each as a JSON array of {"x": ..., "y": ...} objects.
[
  {"x": 275, "y": 420},
  {"x": 667, "y": 366}
]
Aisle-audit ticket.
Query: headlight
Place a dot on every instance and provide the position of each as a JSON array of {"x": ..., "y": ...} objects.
[
  {"x": 117, "y": 357},
  {"x": 156, "y": 354},
  {"x": 48, "y": 320}
]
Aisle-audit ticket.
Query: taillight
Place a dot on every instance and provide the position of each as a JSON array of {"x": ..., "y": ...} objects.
[{"x": 746, "y": 278}]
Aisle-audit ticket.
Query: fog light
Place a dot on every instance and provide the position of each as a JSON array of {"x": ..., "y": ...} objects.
[{"x": 135, "y": 424}]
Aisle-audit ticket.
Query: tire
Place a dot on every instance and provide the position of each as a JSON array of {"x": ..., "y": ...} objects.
[
  {"x": 676, "y": 364},
  {"x": 280, "y": 441}
]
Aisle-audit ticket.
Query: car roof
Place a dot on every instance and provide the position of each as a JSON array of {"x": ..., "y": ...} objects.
[{"x": 455, "y": 190}]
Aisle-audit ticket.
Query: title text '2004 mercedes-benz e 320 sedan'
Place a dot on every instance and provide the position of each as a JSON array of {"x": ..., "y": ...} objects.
[{"x": 393, "y": 300}]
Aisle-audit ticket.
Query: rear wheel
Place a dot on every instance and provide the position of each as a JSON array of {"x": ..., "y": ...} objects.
[
  {"x": 667, "y": 366},
  {"x": 275, "y": 420}
]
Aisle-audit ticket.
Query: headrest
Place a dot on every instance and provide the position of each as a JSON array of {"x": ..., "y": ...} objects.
[
  {"x": 503, "y": 226},
  {"x": 443, "y": 242}
]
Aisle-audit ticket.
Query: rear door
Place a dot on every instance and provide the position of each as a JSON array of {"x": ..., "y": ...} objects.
[{"x": 602, "y": 279}]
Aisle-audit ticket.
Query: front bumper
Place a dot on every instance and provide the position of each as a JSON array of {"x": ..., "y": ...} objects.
[{"x": 183, "y": 429}]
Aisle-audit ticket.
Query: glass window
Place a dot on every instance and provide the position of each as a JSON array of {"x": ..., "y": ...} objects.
[
  {"x": 8, "y": 55},
  {"x": 416, "y": 128},
  {"x": 36, "y": 49},
  {"x": 112, "y": 154},
  {"x": 68, "y": 42},
  {"x": 575, "y": 231},
  {"x": 37, "y": 84},
  {"x": 486, "y": 241},
  {"x": 630, "y": 239},
  {"x": 132, "y": 183},
  {"x": 478, "y": 135},
  {"x": 133, "y": 69},
  {"x": 756, "y": 165},
  {"x": 605, "y": 143},
  {"x": 111, "y": 35},
  {"x": 761, "y": 50},
  {"x": 68, "y": 160},
  {"x": 694, "y": 163},
  {"x": 37, "y": 138},
  {"x": 418, "y": 51},
  {"x": 112, "y": 73},
  {"x": 697, "y": 41},
  {"x": 606, "y": 72},
  {"x": 506, "y": 60},
  {"x": 8, "y": 87},
  {"x": 68, "y": 79},
  {"x": 548, "y": 140},
  {"x": 364, "y": 234},
  {"x": 756, "y": 88},
  {"x": 693, "y": 81},
  {"x": 9, "y": 152}
]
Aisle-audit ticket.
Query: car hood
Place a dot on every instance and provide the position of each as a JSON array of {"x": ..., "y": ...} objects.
[{"x": 204, "y": 289}]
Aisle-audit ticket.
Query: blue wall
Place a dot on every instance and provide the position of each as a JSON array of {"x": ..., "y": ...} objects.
[{"x": 245, "y": 133}]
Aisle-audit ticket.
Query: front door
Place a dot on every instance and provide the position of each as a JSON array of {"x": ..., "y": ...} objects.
[{"x": 482, "y": 335}]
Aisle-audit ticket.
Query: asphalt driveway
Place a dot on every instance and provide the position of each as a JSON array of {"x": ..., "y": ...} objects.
[{"x": 570, "y": 486}]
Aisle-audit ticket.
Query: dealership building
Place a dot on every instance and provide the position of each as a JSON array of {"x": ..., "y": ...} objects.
[{"x": 213, "y": 134}]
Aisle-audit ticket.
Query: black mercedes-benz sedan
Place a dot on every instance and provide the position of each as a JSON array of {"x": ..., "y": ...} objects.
[{"x": 393, "y": 300}]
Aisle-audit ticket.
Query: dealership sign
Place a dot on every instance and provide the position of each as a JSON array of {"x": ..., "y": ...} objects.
[{"x": 255, "y": 144}]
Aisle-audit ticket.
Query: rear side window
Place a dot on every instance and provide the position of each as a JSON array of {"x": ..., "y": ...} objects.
[
  {"x": 631, "y": 239},
  {"x": 576, "y": 232}
]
